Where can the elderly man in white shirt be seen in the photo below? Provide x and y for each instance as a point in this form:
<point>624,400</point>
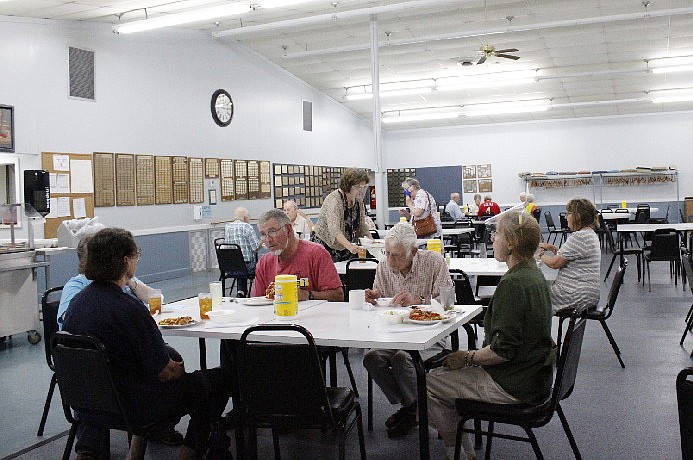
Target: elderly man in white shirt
<point>301,224</point>
<point>453,207</point>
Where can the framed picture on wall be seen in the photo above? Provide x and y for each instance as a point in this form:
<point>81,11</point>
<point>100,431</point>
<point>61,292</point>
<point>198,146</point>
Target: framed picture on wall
<point>470,186</point>
<point>483,171</point>
<point>469,172</point>
<point>485,186</point>
<point>6,128</point>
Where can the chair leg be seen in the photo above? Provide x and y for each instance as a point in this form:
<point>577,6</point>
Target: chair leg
<point>613,259</point>
<point>359,430</point>
<point>47,405</point>
<point>138,446</point>
<point>612,342</point>
<point>458,439</point>
<point>342,446</point>
<point>347,364</point>
<point>566,428</point>
<point>688,315</point>
<point>489,439</point>
<point>275,444</point>
<point>478,437</point>
<point>369,415</point>
<point>649,280</point>
<point>638,257</point>
<point>689,325</point>
<point>534,442</point>
<point>70,441</point>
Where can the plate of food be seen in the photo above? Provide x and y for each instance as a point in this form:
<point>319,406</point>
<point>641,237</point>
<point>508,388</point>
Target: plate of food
<point>177,322</point>
<point>419,316</point>
<point>256,301</point>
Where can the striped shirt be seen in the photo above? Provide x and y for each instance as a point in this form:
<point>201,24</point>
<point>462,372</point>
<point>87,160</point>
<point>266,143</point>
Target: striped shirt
<point>428,273</point>
<point>577,283</point>
<point>242,234</point>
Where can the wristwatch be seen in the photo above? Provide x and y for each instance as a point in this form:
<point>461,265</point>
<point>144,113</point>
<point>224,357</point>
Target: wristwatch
<point>310,295</point>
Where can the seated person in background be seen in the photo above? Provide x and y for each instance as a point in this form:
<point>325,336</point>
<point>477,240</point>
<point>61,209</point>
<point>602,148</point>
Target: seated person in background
<point>474,208</point>
<point>410,276</point>
<point>453,207</point>
<point>166,432</point>
<point>578,260</point>
<point>290,256</point>
<point>154,388</point>
<point>240,232</point>
<point>74,285</point>
<point>488,207</point>
<point>302,226</point>
<point>516,365</point>
<point>523,199</point>
<point>370,225</point>
<point>530,204</point>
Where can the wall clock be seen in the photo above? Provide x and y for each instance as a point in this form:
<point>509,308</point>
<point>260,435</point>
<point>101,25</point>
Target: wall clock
<point>222,107</point>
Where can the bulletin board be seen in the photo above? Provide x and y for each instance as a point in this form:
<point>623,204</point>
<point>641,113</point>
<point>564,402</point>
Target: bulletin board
<point>71,191</point>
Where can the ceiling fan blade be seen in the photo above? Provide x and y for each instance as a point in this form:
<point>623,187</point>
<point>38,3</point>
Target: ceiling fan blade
<point>509,50</point>
<point>508,56</point>
<point>481,60</point>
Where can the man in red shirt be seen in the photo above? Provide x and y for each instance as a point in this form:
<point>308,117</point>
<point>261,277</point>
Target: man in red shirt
<point>488,207</point>
<point>290,256</point>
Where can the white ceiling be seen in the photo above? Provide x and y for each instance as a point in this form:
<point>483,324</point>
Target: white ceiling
<point>589,56</point>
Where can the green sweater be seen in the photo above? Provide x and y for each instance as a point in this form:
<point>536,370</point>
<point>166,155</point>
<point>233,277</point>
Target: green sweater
<point>518,328</point>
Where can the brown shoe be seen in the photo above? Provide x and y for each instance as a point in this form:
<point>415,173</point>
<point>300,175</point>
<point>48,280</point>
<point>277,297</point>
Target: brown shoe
<point>403,426</point>
<point>394,419</point>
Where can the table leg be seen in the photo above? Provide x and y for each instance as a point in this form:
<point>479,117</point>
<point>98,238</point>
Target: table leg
<point>203,353</point>
<point>229,361</point>
<point>422,404</point>
<point>622,258</point>
<point>333,366</point>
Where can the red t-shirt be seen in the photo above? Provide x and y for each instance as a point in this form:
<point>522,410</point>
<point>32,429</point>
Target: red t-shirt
<point>311,261</point>
<point>488,208</point>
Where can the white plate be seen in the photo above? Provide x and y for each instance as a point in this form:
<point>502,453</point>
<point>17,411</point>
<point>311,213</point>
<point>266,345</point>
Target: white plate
<point>255,301</point>
<point>448,317</point>
<point>178,326</point>
<point>237,322</point>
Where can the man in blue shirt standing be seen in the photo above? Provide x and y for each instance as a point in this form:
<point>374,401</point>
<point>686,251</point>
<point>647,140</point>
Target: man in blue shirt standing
<point>240,232</point>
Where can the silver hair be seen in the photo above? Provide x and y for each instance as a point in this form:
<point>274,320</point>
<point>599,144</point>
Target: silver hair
<point>241,213</point>
<point>402,233</point>
<point>409,181</point>
<point>277,214</point>
<point>487,197</point>
<point>530,198</point>
<point>454,195</point>
<point>291,203</point>
<point>477,195</point>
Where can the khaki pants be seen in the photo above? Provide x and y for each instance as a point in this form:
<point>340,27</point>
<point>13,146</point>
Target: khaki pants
<point>444,385</point>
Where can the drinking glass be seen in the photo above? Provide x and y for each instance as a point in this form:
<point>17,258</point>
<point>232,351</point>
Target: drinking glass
<point>205,301</point>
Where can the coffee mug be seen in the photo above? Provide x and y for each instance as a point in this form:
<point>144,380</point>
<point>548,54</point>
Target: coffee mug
<point>357,297</point>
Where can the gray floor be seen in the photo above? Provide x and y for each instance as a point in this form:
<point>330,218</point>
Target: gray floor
<point>614,413</point>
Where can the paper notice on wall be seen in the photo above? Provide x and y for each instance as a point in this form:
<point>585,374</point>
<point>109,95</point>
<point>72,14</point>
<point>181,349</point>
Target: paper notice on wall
<point>82,178</point>
<point>79,208</point>
<point>53,180</point>
<point>54,208</point>
<point>62,183</point>
<point>61,162</point>
<point>63,206</point>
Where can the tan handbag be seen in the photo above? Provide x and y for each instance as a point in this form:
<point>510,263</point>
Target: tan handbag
<point>426,226</point>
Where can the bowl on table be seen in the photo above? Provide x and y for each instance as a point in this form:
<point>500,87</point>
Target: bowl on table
<point>222,316</point>
<point>383,301</point>
<point>393,316</point>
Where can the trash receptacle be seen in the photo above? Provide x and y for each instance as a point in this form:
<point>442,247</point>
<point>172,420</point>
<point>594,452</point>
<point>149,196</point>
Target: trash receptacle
<point>688,201</point>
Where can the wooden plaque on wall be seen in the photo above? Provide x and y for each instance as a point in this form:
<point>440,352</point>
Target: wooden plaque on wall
<point>253,179</point>
<point>163,180</point>
<point>180,180</point>
<point>228,186</point>
<point>265,180</point>
<point>197,180</point>
<point>211,168</point>
<point>144,179</point>
<point>125,179</point>
<point>240,168</point>
<point>104,179</point>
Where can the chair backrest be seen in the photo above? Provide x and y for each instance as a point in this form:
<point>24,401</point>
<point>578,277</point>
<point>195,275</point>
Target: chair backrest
<point>642,215</point>
<point>564,221</point>
<point>49,314</point>
<point>374,234</point>
<point>464,295</point>
<point>230,258</point>
<point>665,245</point>
<point>615,288</point>
<point>569,357</point>
<point>218,241</point>
<point>281,381</point>
<point>84,377</point>
<point>688,268</point>
<point>360,274</point>
<point>549,221</point>
<point>610,239</point>
<point>536,213</point>
<point>684,396</point>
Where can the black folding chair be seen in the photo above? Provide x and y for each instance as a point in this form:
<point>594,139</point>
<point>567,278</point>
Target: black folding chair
<point>665,247</point>
<point>688,269</point>
<point>49,312</point>
<point>529,416</point>
<point>232,265</point>
<point>282,385</point>
<point>84,378</point>
<point>602,313</point>
<point>684,397</point>
<point>556,232</point>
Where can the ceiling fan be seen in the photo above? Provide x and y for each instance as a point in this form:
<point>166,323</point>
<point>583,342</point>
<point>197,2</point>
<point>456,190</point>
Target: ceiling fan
<point>486,51</point>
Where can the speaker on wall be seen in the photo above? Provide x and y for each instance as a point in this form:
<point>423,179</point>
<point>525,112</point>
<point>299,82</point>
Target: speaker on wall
<point>37,192</point>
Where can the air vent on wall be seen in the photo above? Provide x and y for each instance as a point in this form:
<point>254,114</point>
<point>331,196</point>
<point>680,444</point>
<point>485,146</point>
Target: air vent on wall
<point>81,63</point>
<point>307,116</point>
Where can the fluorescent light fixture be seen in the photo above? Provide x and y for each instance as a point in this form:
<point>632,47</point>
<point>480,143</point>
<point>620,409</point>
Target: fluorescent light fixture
<point>670,61</point>
<point>679,98</point>
<point>420,117</point>
<point>395,85</point>
<point>187,17</point>
<point>267,4</point>
<point>401,92</point>
<point>461,86</point>
<point>538,105</point>
<point>673,68</point>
